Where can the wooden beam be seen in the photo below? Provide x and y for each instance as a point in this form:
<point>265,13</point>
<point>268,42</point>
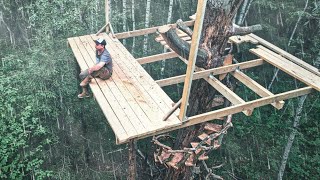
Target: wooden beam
<point>227,93</point>
<point>175,107</point>
<point>246,106</point>
<point>192,57</point>
<point>256,87</point>
<point>103,28</point>
<point>218,114</point>
<point>214,71</point>
<point>286,55</point>
<point>141,32</point>
<point>157,57</point>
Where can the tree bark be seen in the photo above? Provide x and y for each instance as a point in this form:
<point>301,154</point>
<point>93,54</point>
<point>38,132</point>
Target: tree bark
<point>163,62</point>
<point>133,25</point>
<point>146,25</point>
<point>291,137</point>
<point>124,18</point>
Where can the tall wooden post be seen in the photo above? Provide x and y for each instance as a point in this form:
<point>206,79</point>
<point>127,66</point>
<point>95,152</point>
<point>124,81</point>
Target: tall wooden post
<point>107,11</point>
<point>132,161</point>
<point>192,57</point>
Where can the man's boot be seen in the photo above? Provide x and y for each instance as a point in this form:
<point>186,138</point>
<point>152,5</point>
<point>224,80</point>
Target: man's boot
<point>85,81</point>
<point>84,93</point>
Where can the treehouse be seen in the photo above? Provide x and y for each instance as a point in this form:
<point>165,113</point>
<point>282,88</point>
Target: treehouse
<point>136,106</point>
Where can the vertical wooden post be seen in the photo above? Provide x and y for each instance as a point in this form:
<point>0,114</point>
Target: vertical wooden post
<point>192,57</point>
<point>132,161</point>
<point>107,10</point>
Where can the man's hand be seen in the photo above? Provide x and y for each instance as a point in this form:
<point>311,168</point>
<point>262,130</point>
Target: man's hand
<point>96,67</point>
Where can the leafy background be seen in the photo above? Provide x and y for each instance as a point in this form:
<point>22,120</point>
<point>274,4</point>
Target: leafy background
<point>46,132</point>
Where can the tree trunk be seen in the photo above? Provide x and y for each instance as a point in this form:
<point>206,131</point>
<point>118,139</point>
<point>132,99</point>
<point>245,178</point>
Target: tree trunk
<point>291,137</point>
<point>145,41</point>
<point>218,17</point>
<point>133,26</point>
<point>124,18</point>
<point>163,62</point>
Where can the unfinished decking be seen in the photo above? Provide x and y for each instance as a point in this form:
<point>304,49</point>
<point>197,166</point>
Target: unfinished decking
<point>132,102</point>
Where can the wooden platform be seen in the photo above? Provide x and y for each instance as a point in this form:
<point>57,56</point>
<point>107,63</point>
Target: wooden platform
<point>132,102</point>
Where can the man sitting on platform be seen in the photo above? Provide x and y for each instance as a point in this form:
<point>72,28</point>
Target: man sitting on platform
<point>102,68</point>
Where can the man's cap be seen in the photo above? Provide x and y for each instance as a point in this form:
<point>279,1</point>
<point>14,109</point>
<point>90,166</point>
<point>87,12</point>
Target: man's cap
<point>101,41</point>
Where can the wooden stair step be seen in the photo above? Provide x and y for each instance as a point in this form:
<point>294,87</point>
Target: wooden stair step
<point>216,144</point>
<point>177,157</point>
<point>195,144</point>
<point>189,161</point>
<point>203,136</point>
<point>212,128</point>
<point>203,157</point>
<point>164,155</point>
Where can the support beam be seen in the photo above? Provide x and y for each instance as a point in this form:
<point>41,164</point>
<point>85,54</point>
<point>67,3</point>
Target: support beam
<point>102,29</point>
<point>227,93</point>
<point>141,32</point>
<point>256,87</point>
<point>214,71</point>
<point>192,57</point>
<point>157,57</point>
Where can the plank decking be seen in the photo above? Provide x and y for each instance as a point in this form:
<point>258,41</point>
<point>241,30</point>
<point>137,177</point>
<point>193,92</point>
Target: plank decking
<point>132,102</point>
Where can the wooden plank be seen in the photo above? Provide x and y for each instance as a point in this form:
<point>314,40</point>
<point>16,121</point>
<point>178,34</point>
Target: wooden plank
<point>150,88</point>
<point>138,95</point>
<point>201,7</point>
<point>217,114</point>
<point>227,93</point>
<point>114,122</point>
<point>241,39</point>
<point>118,104</point>
<point>288,67</point>
<point>214,71</point>
<point>141,32</point>
<point>160,97</point>
<point>182,35</point>
<point>138,118</point>
<point>256,87</point>
<point>286,55</point>
<point>157,57</point>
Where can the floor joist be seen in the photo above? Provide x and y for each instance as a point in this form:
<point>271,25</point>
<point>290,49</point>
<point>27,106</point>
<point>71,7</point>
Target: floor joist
<point>256,87</point>
<point>157,57</point>
<point>227,93</point>
<point>214,71</point>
